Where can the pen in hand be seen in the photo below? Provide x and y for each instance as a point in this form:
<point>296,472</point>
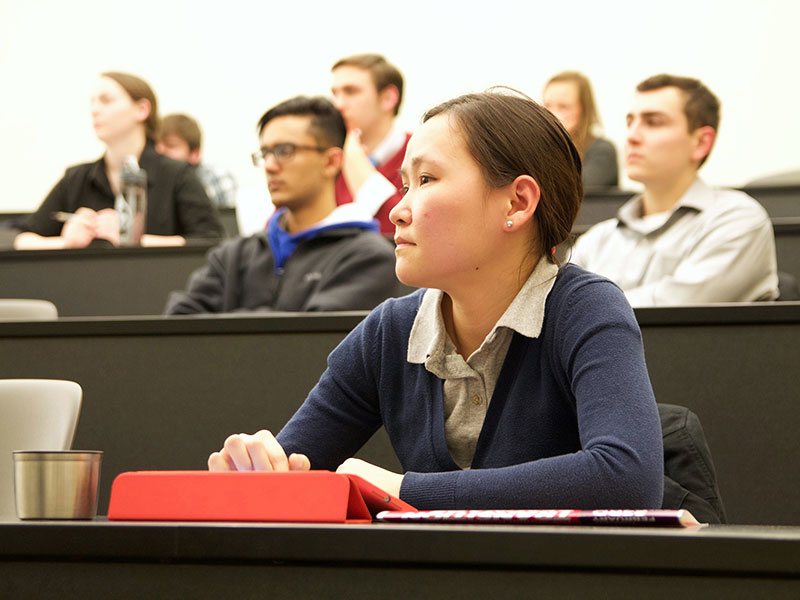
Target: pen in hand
<point>61,216</point>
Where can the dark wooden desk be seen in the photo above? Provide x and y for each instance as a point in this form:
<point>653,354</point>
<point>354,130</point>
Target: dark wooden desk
<point>227,216</point>
<point>778,200</point>
<point>213,560</point>
<point>787,244</point>
<point>161,393</point>
<point>101,281</point>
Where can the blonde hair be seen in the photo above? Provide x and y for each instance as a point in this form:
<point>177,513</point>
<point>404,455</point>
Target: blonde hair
<point>584,135</point>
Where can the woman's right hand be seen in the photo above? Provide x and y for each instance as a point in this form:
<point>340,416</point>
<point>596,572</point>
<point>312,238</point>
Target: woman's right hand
<point>257,452</point>
<point>80,229</point>
<point>107,226</point>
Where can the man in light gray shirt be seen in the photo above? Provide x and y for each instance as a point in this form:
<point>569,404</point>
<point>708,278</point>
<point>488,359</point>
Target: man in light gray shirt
<point>680,242</point>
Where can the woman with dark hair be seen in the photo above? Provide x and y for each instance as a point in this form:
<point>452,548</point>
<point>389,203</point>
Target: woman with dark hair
<point>125,118</point>
<point>569,97</point>
<point>511,381</point>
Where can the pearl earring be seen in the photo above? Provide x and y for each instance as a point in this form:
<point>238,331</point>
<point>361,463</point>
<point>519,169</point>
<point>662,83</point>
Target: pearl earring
<point>509,223</point>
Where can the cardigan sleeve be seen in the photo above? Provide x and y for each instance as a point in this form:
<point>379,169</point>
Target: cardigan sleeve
<point>596,354</point>
<point>597,347</point>
<point>342,411</point>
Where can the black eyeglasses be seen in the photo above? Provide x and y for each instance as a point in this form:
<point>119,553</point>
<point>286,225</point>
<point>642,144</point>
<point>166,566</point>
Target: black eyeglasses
<point>282,153</point>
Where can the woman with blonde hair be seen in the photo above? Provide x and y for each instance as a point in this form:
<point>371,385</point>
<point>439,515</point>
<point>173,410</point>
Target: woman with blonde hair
<point>568,95</point>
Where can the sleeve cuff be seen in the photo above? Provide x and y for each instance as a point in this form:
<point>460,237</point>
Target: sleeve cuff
<point>374,192</point>
<point>430,491</point>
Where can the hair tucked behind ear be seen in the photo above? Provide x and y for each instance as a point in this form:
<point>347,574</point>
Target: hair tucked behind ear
<point>137,89</point>
<point>509,135</point>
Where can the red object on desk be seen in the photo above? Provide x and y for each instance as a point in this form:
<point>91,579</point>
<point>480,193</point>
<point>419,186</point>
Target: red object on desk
<point>300,497</point>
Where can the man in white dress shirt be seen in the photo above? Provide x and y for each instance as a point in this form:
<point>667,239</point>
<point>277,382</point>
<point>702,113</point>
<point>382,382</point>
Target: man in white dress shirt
<point>680,242</point>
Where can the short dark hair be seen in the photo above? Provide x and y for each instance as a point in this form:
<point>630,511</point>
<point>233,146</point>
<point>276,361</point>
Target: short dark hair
<point>327,125</point>
<point>137,88</point>
<point>509,135</point>
<point>183,126</point>
<point>701,107</point>
<point>382,71</point>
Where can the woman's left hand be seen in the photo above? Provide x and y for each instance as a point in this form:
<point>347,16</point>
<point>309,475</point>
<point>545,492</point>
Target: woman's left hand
<point>386,480</point>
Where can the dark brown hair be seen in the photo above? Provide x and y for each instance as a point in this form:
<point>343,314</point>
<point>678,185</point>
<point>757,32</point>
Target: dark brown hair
<point>326,122</point>
<point>382,71</point>
<point>509,135</point>
<point>701,107</point>
<point>137,89</point>
<point>589,117</point>
<point>183,126</point>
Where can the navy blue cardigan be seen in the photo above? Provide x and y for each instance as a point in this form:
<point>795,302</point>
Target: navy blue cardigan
<point>572,423</point>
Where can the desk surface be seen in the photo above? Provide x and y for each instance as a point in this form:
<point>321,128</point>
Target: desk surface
<point>396,560</point>
<point>184,383</point>
<point>101,281</point>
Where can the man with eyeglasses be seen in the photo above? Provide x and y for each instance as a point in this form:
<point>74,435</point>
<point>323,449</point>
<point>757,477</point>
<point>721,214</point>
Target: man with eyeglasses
<point>312,256</point>
<point>368,90</point>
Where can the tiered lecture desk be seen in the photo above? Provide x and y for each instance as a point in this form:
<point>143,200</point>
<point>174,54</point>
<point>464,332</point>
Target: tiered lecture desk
<point>162,393</point>
<point>216,560</point>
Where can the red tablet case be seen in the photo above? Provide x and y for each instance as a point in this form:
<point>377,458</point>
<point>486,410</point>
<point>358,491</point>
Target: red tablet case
<point>299,496</point>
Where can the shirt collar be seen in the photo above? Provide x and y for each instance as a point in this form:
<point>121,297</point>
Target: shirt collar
<point>525,315</point>
<point>148,161</point>
<point>389,146</point>
<point>697,198</point>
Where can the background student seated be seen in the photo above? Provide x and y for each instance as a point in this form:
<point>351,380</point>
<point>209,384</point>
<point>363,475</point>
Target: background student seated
<point>180,138</point>
<point>569,97</point>
<point>368,90</point>
<point>311,257</point>
<point>680,241</point>
<point>125,118</point>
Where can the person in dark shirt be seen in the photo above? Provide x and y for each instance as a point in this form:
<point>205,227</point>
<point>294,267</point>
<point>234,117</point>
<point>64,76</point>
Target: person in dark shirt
<point>125,118</point>
<point>569,97</point>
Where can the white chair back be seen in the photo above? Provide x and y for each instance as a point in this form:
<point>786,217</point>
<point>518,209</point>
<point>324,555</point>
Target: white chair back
<point>35,414</point>
<point>24,309</point>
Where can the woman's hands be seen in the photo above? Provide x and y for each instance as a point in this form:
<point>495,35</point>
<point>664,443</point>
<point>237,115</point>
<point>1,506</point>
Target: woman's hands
<point>262,452</point>
<point>388,481</point>
<point>85,225</point>
<point>257,452</point>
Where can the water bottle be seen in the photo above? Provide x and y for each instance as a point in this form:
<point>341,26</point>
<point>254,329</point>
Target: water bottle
<point>131,203</point>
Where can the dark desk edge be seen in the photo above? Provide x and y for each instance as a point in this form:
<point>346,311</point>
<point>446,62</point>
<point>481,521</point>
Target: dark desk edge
<point>193,245</point>
<point>729,549</point>
<point>187,324</point>
<point>711,314</point>
<point>600,193</point>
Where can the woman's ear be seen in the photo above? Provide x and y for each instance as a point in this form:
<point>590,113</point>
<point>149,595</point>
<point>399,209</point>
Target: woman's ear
<point>523,199</point>
<point>143,107</point>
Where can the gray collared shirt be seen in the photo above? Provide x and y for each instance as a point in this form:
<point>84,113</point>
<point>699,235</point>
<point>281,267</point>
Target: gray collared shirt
<point>469,384</point>
<point>715,245</point>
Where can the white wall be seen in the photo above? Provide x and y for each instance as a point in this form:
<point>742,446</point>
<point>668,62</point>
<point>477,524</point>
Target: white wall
<point>227,62</point>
